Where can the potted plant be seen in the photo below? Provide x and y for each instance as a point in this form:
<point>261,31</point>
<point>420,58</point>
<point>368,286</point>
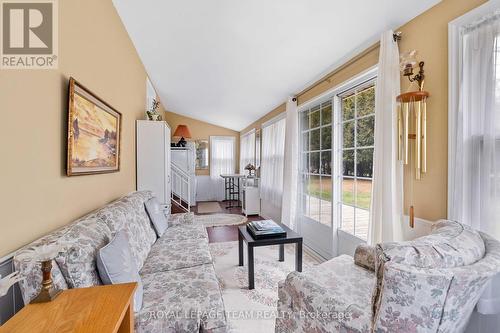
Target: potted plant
<point>152,113</point>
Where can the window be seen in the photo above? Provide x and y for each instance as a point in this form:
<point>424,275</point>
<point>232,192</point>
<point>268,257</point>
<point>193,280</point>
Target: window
<point>316,136</point>
<point>350,147</point>
<point>474,119</point>
<point>357,123</point>
<point>247,150</point>
<point>221,156</point>
<point>273,155</point>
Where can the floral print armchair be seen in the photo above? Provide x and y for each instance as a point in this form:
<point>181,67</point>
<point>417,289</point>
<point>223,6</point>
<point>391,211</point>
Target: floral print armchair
<point>430,284</point>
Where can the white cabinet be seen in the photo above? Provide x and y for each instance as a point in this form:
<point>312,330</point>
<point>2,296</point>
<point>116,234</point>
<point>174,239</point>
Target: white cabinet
<point>153,159</point>
<point>250,197</point>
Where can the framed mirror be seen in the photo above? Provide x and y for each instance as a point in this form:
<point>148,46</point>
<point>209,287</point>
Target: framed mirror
<point>201,154</point>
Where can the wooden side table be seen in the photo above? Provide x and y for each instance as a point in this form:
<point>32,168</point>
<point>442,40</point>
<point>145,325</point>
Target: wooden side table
<point>100,309</point>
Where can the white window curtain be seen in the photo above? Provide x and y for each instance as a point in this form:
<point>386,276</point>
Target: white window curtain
<point>474,187</point>
<point>273,153</point>
<point>291,166</point>
<point>222,161</point>
<point>247,150</point>
<point>386,218</point>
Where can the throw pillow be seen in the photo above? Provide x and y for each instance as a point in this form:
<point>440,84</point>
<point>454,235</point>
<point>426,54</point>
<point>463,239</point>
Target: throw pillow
<point>116,265</point>
<point>157,216</point>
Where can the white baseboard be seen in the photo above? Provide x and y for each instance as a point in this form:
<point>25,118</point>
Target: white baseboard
<point>315,255</point>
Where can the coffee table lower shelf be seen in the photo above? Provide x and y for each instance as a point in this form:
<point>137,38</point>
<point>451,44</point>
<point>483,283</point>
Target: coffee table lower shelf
<point>290,238</point>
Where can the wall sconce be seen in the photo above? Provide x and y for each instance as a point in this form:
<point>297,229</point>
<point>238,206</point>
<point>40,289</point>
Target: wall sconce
<point>412,121</point>
<point>408,61</point>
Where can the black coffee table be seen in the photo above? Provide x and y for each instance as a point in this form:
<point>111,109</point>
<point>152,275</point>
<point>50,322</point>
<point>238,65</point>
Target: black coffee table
<point>291,237</point>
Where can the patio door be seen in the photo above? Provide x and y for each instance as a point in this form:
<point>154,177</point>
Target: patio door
<point>316,177</point>
<point>336,148</point>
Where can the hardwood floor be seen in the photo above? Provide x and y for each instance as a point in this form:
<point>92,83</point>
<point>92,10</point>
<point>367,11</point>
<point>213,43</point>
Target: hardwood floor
<point>225,233</point>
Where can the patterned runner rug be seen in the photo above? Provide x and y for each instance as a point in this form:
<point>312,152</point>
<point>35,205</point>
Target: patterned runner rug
<point>209,207</point>
<point>214,220</point>
<point>253,310</point>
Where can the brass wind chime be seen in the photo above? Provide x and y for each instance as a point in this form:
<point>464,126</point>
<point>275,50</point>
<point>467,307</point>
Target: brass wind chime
<point>412,124</point>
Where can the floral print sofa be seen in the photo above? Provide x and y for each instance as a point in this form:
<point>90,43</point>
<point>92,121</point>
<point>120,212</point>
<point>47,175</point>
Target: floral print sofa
<point>181,290</point>
<point>430,284</point>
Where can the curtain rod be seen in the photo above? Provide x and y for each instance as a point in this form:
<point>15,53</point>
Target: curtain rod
<point>396,36</point>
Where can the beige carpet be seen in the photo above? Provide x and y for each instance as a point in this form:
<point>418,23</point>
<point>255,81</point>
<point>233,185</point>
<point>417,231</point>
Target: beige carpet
<point>214,220</point>
<point>253,310</point>
<point>208,207</point>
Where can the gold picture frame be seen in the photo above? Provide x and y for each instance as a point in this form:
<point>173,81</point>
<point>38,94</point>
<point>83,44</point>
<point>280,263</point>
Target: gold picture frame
<point>94,133</point>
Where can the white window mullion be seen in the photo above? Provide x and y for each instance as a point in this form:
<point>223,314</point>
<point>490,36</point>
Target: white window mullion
<point>337,163</point>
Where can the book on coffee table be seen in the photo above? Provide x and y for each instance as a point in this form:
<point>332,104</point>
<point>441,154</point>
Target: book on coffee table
<point>265,229</point>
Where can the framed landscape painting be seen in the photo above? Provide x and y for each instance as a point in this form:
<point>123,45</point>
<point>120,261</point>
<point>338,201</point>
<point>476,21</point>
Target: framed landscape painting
<point>94,133</point>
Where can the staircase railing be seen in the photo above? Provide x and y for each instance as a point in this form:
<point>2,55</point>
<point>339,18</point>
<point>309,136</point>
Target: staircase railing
<point>181,188</point>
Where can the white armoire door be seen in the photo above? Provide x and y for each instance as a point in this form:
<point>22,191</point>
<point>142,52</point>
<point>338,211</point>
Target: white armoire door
<point>153,159</point>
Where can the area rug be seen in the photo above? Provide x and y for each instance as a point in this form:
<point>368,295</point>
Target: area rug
<point>253,310</point>
<point>208,207</point>
<point>214,220</point>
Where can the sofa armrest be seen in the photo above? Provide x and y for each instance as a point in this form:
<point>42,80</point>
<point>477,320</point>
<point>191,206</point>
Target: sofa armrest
<point>364,256</point>
<point>180,219</point>
<point>303,300</point>
<point>333,295</point>
<point>412,295</point>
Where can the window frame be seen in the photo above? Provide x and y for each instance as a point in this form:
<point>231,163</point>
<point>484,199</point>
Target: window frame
<point>212,140</point>
<point>362,84</point>
<point>454,76</point>
<point>305,172</point>
<point>333,95</point>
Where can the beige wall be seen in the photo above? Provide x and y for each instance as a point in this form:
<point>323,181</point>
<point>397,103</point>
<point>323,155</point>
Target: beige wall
<point>202,130</point>
<point>428,33</point>
<point>36,196</point>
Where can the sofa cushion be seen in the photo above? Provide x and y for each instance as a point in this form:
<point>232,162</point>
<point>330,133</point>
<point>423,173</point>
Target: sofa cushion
<point>81,244</point>
<point>181,290</point>
<point>129,214</point>
<point>116,265</point>
<point>412,299</point>
<point>138,201</point>
<point>184,232</point>
<point>181,219</point>
<point>157,216</point>
<point>337,287</point>
<point>167,256</point>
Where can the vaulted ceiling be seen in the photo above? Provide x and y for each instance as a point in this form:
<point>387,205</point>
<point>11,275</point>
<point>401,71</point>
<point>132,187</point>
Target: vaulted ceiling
<point>228,62</point>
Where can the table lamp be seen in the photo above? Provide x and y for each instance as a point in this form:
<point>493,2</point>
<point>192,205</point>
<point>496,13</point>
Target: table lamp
<point>43,255</point>
<point>182,131</point>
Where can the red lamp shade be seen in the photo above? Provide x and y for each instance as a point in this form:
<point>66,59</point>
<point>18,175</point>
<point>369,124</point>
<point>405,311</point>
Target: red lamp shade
<point>182,131</point>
